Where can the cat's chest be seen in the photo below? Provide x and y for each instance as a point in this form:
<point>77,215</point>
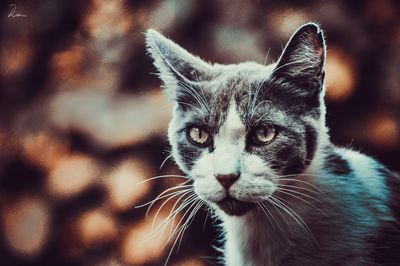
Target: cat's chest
<point>253,245</point>
<point>241,253</point>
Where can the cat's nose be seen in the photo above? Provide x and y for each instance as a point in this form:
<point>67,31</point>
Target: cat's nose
<point>227,180</point>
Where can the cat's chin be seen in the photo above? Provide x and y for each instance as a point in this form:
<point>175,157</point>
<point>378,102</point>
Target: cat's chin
<point>235,207</point>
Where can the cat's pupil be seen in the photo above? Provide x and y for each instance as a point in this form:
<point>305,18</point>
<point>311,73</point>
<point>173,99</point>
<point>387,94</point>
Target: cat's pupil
<point>264,135</point>
<point>198,136</point>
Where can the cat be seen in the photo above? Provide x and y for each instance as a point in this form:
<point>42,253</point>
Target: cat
<point>253,139</point>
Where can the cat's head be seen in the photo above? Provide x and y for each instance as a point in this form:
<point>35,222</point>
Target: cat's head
<point>237,128</point>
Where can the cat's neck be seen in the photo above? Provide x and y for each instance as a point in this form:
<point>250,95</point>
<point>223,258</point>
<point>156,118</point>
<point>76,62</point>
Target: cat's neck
<point>250,240</point>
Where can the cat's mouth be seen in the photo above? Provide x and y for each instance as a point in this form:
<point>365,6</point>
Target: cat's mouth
<point>234,207</point>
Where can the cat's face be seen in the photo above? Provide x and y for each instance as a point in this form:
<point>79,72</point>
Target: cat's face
<point>237,128</point>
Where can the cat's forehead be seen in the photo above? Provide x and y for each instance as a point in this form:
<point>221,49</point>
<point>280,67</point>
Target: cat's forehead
<point>232,82</point>
<point>236,76</point>
<point>248,87</point>
<point>233,87</point>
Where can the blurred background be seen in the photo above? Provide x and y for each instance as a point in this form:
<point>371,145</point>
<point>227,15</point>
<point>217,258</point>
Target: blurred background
<point>83,120</point>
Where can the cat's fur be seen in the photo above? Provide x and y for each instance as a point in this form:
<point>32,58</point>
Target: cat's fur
<point>346,205</point>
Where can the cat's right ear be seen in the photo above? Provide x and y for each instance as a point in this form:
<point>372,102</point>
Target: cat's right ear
<point>176,66</point>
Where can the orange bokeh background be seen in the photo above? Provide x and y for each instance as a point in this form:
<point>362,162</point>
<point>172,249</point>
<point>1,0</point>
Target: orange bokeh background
<point>83,119</point>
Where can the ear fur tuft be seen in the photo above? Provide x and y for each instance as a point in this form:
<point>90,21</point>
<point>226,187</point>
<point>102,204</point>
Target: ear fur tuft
<point>304,54</point>
<point>174,64</point>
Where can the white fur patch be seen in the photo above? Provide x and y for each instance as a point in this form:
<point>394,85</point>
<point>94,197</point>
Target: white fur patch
<point>230,157</point>
<point>229,144</point>
<point>364,168</point>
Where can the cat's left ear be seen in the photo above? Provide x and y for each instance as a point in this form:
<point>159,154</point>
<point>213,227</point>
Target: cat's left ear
<point>303,58</point>
<point>176,66</point>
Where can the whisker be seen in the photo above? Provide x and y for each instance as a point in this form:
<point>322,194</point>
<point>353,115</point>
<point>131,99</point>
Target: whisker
<point>278,210</point>
<point>200,111</point>
<point>181,185</point>
<point>172,210</point>
<point>205,220</point>
<point>182,193</point>
<point>162,193</point>
<point>201,101</point>
<point>297,197</point>
<point>193,203</point>
<point>192,196</point>
<point>266,57</point>
<point>255,109</point>
<point>299,193</point>
<point>301,175</point>
<point>252,109</point>
<point>172,216</point>
<point>292,213</point>
<point>162,197</point>
<point>298,187</point>
<point>161,176</point>
<point>165,160</point>
<point>181,229</point>
<point>285,177</point>
<point>263,206</point>
<point>190,220</point>
<point>163,204</point>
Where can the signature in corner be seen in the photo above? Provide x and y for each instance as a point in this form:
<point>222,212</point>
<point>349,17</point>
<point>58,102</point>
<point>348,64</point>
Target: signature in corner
<point>13,12</point>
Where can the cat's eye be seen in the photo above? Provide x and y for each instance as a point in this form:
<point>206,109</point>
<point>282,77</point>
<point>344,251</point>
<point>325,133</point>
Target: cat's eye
<point>199,136</point>
<point>263,134</point>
